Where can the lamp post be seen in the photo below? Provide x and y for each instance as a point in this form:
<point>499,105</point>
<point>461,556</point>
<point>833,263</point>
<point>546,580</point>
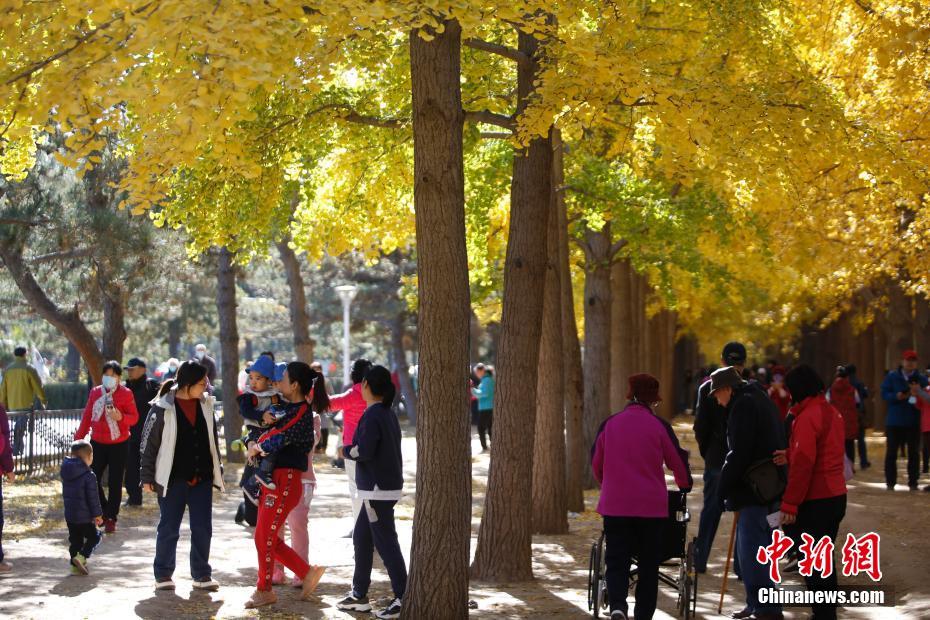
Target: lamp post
<point>346,294</point>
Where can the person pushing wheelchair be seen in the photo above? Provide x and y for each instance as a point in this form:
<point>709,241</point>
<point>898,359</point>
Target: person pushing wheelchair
<point>627,458</point>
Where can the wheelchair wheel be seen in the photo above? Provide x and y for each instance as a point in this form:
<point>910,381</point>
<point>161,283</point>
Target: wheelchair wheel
<point>687,584</point>
<point>693,575</point>
<point>594,579</point>
<point>602,600</point>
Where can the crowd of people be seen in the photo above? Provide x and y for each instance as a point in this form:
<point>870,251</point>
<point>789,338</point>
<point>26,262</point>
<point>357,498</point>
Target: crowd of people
<point>162,438</point>
<point>778,445</point>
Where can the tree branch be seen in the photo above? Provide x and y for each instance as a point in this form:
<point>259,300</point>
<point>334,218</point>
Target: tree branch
<point>13,221</point>
<point>47,258</point>
<point>496,135</point>
<point>616,247</point>
<point>501,50</point>
<point>490,118</point>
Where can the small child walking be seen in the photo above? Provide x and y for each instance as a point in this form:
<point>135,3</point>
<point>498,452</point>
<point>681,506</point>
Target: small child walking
<point>83,512</point>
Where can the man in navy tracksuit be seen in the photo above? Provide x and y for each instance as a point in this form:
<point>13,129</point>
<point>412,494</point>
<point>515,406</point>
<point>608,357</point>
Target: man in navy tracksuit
<point>379,476</point>
<point>902,426</point>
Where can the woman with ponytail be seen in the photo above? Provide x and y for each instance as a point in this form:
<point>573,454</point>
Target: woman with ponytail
<point>379,476</point>
<point>290,440</point>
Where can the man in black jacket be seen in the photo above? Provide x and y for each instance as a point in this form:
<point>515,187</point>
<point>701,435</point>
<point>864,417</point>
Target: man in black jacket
<point>754,433</point>
<point>144,390</point>
<point>710,430</point>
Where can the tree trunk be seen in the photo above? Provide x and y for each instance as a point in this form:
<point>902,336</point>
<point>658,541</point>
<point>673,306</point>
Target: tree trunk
<point>438,585</point>
<point>575,454</point>
<point>114,324</point>
<point>175,327</point>
<point>504,552</point>
<point>549,502</point>
<point>297,303</point>
<point>72,364</point>
<point>596,337</point>
<point>229,349</point>
<point>621,333</point>
<point>399,354</point>
<point>68,322</point>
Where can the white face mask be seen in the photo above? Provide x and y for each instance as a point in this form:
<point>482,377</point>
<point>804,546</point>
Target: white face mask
<point>201,354</point>
<point>109,382</point>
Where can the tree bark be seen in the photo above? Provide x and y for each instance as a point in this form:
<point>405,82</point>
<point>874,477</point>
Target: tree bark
<point>549,501</point>
<point>621,333</point>
<point>297,303</point>
<point>229,349</point>
<point>504,552</point>
<point>575,454</point>
<point>438,585</point>
<point>68,322</point>
<point>399,353</point>
<point>72,364</point>
<point>114,323</point>
<point>596,337</point>
<point>175,327</point>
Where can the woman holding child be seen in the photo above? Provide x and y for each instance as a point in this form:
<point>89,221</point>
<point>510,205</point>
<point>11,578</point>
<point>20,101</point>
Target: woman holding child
<point>289,443</point>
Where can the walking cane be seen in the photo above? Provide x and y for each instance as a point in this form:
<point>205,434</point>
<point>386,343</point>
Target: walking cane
<point>726,568</point>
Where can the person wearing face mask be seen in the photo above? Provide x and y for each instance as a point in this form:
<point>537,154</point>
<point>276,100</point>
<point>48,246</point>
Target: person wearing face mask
<point>201,357</point>
<point>109,415</point>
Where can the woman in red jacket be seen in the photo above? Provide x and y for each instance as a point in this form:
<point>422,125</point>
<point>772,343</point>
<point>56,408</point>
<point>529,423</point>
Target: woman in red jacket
<point>109,414</point>
<point>815,498</point>
<point>842,395</point>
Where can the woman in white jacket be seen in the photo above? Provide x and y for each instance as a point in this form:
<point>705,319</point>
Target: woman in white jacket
<point>181,463</point>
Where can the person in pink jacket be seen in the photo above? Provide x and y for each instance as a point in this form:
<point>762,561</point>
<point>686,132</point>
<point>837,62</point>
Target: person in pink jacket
<point>627,459</point>
<point>352,405</point>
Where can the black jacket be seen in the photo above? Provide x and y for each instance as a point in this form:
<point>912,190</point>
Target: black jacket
<point>376,448</point>
<point>144,391</point>
<point>754,432</point>
<point>79,491</point>
<point>710,428</point>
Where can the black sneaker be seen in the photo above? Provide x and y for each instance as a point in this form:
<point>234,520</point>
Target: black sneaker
<point>354,603</point>
<point>617,615</point>
<point>391,611</point>
<point>251,490</point>
<point>264,479</point>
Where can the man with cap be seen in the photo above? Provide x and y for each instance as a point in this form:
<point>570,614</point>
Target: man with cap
<point>710,430</point>
<point>144,391</point>
<point>754,433</point>
<point>902,426</point>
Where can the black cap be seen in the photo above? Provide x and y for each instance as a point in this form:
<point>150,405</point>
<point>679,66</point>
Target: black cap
<point>734,354</point>
<point>136,362</point>
<point>724,378</point>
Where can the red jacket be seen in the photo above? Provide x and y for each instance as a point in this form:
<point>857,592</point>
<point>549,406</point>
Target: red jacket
<point>815,454</point>
<point>843,397</point>
<point>100,432</point>
<point>352,406</point>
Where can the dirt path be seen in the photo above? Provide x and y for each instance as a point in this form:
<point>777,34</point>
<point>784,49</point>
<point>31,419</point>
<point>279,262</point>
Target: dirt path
<point>120,584</point>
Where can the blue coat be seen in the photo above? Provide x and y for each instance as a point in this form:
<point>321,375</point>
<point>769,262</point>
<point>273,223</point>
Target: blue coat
<point>485,393</point>
<point>79,490</point>
<point>900,412</point>
<point>379,473</point>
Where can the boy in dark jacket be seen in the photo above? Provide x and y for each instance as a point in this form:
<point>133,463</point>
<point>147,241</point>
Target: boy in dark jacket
<point>83,512</point>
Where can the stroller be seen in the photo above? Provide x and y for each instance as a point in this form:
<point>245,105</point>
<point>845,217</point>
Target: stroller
<point>677,562</point>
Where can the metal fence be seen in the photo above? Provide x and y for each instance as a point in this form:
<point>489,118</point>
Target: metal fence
<point>41,439</point>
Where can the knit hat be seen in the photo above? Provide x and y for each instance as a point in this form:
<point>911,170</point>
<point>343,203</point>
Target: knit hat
<point>727,377</point>
<point>734,354</point>
<point>263,366</point>
<point>909,354</point>
<point>279,369</point>
<point>644,388</point>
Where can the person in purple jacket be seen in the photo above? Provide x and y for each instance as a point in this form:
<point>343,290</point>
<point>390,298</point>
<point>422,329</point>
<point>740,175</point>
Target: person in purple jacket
<point>627,459</point>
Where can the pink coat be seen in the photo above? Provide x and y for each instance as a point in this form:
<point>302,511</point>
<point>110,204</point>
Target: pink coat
<point>352,406</point>
<point>629,454</point>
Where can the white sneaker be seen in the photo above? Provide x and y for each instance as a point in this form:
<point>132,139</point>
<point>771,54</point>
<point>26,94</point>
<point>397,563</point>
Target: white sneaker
<point>208,585</point>
<point>354,603</point>
<point>391,611</point>
<point>165,584</point>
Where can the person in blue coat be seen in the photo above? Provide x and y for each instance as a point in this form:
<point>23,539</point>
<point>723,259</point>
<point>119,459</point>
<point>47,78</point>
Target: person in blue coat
<point>902,426</point>
<point>83,512</point>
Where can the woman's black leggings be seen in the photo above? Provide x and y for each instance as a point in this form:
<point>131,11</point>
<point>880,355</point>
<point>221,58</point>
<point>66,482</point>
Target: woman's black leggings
<point>114,457</point>
<point>819,518</point>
